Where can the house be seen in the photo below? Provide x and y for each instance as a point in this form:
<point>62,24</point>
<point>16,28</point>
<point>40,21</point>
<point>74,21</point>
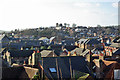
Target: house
<point>69,47</point>
<point>89,44</point>
<point>110,48</point>
<point>53,40</point>
<point>116,54</point>
<point>112,71</point>
<point>48,53</point>
<point>116,40</point>
<point>106,69</point>
<point>68,41</point>
<point>44,39</point>
<point>93,43</point>
<point>81,43</point>
<point>19,73</point>
<point>58,26</point>
<point>20,57</point>
<point>71,67</point>
<point>4,41</point>
<point>79,52</point>
<point>15,40</point>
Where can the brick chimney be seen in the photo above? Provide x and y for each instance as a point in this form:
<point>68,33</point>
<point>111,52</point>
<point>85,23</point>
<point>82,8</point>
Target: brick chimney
<point>21,48</point>
<point>24,62</point>
<point>101,56</point>
<point>99,68</point>
<point>89,59</point>
<point>69,54</point>
<point>89,56</point>
<point>110,52</point>
<point>75,54</point>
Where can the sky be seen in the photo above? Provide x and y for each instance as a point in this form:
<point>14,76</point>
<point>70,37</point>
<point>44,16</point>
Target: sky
<point>22,14</point>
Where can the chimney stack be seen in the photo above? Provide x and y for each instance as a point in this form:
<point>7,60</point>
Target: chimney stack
<point>69,53</point>
<point>110,52</point>
<point>99,68</point>
<point>101,56</point>
<point>89,59</point>
<point>21,48</point>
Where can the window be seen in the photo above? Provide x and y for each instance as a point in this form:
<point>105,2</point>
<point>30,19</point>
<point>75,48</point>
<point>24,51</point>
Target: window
<point>117,74</point>
<point>52,69</point>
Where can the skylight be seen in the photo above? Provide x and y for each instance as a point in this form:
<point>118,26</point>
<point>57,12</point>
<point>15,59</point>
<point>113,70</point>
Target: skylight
<point>52,69</point>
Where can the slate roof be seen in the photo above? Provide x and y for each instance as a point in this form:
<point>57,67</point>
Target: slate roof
<point>52,38</point>
<point>18,73</point>
<point>115,45</point>
<point>81,41</point>
<point>78,51</point>
<point>107,44</point>
<point>45,53</point>
<point>20,53</point>
<point>109,70</point>
<point>117,51</point>
<point>93,41</point>
<point>43,38</point>
<point>85,52</point>
<point>57,52</point>
<point>78,63</point>
<point>70,47</point>
<point>56,47</point>
<point>2,36</point>
<point>116,40</point>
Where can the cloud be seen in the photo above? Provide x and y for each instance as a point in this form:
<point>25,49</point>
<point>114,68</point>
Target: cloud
<point>115,5</point>
<point>86,4</point>
<point>82,4</point>
<point>97,4</point>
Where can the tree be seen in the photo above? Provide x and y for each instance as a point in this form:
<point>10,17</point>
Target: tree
<point>31,48</point>
<point>49,47</point>
<point>42,47</point>
<point>65,24</point>
<point>98,25</point>
<point>68,25</point>
<point>73,25</point>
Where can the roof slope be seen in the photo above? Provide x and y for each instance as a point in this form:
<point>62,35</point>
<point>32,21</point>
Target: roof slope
<point>18,72</point>
<point>117,51</point>
<point>20,53</point>
<point>78,63</point>
<point>45,53</point>
<point>92,41</point>
<point>2,36</point>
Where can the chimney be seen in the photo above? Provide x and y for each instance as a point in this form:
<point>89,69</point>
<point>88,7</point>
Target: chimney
<point>21,48</point>
<point>38,51</point>
<point>57,24</point>
<point>75,54</point>
<point>53,53</point>
<point>103,45</point>
<point>89,59</point>
<point>24,62</point>
<point>101,56</point>
<point>89,56</point>
<point>69,53</point>
<point>99,68</point>
<point>110,52</point>
<point>104,51</point>
<point>34,52</point>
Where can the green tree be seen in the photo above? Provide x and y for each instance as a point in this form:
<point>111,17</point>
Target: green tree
<point>42,47</point>
<point>49,47</point>
<point>73,25</point>
<point>31,48</point>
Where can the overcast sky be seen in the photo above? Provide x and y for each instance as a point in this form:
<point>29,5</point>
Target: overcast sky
<point>36,13</point>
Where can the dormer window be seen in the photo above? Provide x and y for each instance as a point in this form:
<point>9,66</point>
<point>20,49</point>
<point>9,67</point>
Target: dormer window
<point>53,70</point>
